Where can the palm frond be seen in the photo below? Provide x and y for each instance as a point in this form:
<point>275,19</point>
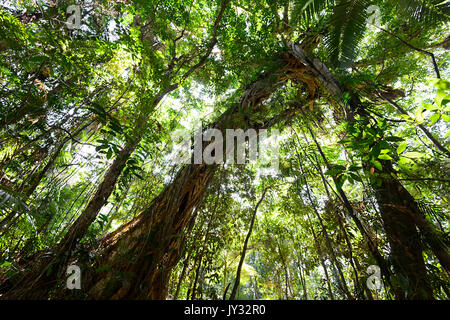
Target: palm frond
<point>306,11</point>
<point>353,31</point>
<point>346,29</point>
<point>424,11</point>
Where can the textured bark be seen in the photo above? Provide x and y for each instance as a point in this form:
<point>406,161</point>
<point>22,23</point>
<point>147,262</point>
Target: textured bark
<point>406,249</point>
<point>44,272</point>
<point>143,253</point>
<point>400,230</point>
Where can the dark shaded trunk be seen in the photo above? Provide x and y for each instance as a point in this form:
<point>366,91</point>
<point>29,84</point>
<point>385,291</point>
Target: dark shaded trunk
<point>144,255</point>
<point>181,277</point>
<point>406,249</point>
<point>401,231</point>
<point>197,274</point>
<point>375,253</point>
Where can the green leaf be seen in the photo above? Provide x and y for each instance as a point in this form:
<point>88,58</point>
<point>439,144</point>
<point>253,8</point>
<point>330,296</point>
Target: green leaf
<point>394,139</point>
<point>442,84</point>
<point>434,118</point>
<point>340,182</point>
<point>377,164</point>
<point>440,96</point>
<point>430,107</point>
<point>376,150</point>
<point>419,115</point>
<point>413,155</point>
<point>384,157</point>
<point>446,118</point>
<point>402,147</point>
<point>333,172</point>
<point>355,177</point>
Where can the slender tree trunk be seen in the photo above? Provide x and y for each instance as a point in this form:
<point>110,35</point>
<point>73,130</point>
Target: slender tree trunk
<point>342,282</point>
<point>288,290</point>
<point>321,257</point>
<point>244,249</point>
<point>400,230</point>
<point>36,180</point>
<point>197,274</point>
<point>182,275</point>
<point>368,239</point>
<point>338,217</point>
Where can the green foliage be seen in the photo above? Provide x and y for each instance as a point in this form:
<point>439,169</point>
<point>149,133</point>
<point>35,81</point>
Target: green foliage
<point>74,104</point>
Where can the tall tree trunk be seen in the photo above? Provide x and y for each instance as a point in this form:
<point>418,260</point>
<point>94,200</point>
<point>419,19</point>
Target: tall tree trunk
<point>197,274</point>
<point>368,239</point>
<point>321,257</point>
<point>400,230</point>
<point>244,248</point>
<point>336,213</point>
<point>153,238</point>
<point>181,277</point>
<point>341,280</point>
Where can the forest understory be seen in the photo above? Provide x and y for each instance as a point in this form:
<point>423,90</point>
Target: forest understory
<point>224,150</point>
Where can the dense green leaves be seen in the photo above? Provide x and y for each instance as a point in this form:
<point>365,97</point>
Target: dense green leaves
<point>78,104</point>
